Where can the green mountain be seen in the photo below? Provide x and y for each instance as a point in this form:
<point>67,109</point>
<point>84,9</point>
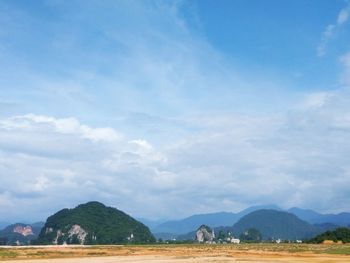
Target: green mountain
<point>340,234</point>
<point>93,223</point>
<point>274,224</point>
<point>20,234</point>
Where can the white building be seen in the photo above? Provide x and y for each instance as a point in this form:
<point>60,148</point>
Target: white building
<point>235,241</point>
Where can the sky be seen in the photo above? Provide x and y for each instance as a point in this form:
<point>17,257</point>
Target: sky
<point>165,109</point>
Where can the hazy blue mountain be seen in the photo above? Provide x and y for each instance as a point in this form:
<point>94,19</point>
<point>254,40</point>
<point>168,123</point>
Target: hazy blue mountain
<point>191,223</point>
<point>274,224</point>
<point>38,224</point>
<point>258,207</point>
<point>184,226</point>
<point>325,227</point>
<point>4,224</point>
<point>341,219</point>
<point>312,229</point>
<point>150,223</point>
<point>305,214</point>
<point>212,220</point>
<point>19,233</point>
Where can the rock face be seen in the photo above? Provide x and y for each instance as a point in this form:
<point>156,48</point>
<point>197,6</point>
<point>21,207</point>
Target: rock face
<point>204,234</point>
<point>23,230</point>
<point>93,223</point>
<point>79,232</point>
<point>76,235</point>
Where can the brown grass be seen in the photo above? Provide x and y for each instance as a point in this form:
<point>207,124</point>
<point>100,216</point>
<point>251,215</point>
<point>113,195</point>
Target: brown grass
<point>181,253</point>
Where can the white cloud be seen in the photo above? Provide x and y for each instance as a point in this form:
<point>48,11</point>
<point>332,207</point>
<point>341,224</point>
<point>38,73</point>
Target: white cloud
<point>343,16</point>
<point>231,159</point>
<point>331,29</point>
<point>316,100</point>
<point>345,60</point>
<point>63,126</point>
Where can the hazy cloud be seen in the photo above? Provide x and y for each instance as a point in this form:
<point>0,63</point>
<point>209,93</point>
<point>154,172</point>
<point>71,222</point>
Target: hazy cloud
<point>231,161</point>
<point>331,29</point>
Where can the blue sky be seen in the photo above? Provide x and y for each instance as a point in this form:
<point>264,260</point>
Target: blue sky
<point>168,108</point>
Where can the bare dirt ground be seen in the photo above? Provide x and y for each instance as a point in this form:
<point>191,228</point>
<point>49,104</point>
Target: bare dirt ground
<point>179,253</point>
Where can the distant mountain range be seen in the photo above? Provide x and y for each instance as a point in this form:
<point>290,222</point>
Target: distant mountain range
<point>271,224</point>
<point>213,220</point>
<point>341,219</point>
<point>4,224</point>
<point>20,234</point>
<point>172,229</point>
<point>83,225</point>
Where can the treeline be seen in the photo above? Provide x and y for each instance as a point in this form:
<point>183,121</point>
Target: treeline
<point>340,234</point>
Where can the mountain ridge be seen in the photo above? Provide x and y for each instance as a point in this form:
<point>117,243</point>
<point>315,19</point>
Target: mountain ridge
<point>182,227</point>
<point>217,219</point>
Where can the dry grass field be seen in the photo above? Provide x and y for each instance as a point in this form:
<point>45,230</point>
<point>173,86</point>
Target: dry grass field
<point>178,253</point>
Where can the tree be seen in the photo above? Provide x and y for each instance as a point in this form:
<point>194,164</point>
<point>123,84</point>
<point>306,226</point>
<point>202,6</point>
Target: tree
<point>252,235</point>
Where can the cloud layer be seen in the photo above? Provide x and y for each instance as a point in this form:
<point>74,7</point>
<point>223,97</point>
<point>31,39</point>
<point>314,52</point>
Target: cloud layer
<point>231,161</point>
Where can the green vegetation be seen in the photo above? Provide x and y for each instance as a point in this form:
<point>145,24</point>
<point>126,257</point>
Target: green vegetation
<point>251,235</point>
<point>7,254</point>
<point>100,224</point>
<point>340,234</point>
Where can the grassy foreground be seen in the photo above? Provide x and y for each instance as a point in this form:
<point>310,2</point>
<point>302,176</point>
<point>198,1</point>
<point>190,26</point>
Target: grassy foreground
<point>193,250</point>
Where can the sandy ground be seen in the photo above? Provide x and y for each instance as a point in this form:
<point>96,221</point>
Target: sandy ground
<point>176,254</point>
<point>157,259</point>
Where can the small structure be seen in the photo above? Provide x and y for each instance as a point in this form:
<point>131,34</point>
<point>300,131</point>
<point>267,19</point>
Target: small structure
<point>235,240</point>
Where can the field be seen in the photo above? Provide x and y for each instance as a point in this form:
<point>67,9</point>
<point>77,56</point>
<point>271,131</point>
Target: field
<point>178,253</point>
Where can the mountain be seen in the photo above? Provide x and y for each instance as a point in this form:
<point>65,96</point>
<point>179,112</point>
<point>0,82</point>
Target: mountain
<point>273,224</point>
<point>93,223</point>
<point>150,223</point>
<point>19,233</point>
<point>258,207</point>
<point>3,225</point>
<point>191,223</point>
<point>38,224</point>
<point>183,226</point>
<point>341,219</point>
<point>180,228</point>
<point>306,214</point>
